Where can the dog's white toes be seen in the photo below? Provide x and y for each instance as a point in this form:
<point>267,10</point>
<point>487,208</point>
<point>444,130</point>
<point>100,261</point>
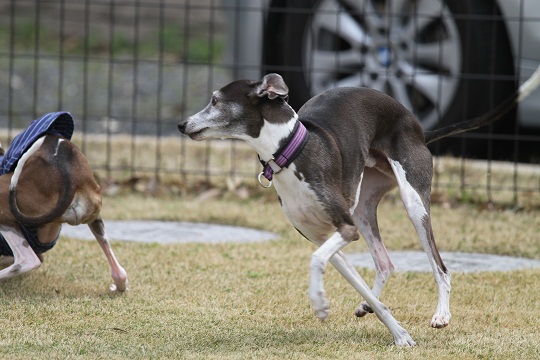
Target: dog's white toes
<point>319,303</point>
<point>439,321</point>
<point>363,309</point>
<point>322,314</point>
<point>120,280</point>
<point>320,307</point>
<point>118,287</point>
<point>404,340</point>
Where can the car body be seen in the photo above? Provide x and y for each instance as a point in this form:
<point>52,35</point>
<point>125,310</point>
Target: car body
<point>261,32</point>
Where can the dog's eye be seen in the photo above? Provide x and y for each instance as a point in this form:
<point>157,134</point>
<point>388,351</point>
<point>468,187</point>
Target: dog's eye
<point>214,101</point>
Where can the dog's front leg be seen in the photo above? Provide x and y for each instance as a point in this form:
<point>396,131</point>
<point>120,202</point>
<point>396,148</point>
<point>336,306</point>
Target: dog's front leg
<point>25,259</point>
<point>118,273</point>
<point>319,260</point>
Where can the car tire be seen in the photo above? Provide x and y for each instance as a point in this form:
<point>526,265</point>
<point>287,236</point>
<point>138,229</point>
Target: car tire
<point>484,75</point>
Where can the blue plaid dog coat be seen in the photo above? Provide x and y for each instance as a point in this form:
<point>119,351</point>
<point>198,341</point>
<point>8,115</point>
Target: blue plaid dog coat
<point>58,123</point>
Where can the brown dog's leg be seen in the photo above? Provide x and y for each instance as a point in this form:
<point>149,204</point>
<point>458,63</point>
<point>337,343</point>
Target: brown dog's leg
<point>118,273</point>
<point>25,259</point>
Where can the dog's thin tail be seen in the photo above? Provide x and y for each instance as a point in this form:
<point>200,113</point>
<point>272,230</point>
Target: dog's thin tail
<point>64,199</point>
<point>524,90</point>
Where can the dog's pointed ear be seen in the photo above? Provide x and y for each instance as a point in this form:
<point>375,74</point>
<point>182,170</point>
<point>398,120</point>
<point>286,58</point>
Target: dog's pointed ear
<point>273,86</point>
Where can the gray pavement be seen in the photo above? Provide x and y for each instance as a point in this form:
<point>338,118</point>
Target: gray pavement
<point>416,261</point>
<point>167,232</point>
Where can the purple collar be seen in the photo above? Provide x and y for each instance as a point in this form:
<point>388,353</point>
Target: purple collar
<point>286,153</point>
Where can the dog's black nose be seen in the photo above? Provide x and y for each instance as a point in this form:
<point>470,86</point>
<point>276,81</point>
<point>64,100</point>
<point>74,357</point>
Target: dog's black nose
<point>182,126</point>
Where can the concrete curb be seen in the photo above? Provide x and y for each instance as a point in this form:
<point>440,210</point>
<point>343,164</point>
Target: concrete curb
<point>168,232</point>
<point>416,261</point>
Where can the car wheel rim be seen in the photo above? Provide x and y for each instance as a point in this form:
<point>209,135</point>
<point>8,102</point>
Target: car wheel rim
<point>408,49</point>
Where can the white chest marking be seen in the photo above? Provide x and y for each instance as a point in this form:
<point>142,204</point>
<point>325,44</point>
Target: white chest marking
<point>301,205</point>
<point>268,141</point>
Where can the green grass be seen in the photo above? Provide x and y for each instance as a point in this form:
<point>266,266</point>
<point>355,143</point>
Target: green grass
<point>244,301</point>
<point>169,41</point>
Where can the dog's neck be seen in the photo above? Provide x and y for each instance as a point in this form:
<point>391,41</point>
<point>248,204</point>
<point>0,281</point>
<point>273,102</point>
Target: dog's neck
<point>271,137</point>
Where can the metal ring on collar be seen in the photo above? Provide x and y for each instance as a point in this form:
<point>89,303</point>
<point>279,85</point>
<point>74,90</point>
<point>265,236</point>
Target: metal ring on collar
<point>261,175</point>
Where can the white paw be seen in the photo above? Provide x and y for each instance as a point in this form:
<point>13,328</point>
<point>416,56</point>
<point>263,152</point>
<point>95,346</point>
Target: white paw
<point>440,320</point>
<point>118,287</point>
<point>320,306</point>
<point>404,340</point>
<point>363,309</point>
<point>120,281</point>
<point>321,314</point>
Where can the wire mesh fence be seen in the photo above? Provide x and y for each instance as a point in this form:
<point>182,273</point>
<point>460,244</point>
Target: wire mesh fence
<point>128,71</point>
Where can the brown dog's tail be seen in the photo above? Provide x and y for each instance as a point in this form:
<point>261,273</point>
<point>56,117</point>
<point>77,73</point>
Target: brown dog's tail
<point>494,115</point>
<point>56,158</point>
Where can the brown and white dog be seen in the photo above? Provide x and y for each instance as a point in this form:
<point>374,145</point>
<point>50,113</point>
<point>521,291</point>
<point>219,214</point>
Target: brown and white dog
<point>331,163</point>
<point>52,184</point>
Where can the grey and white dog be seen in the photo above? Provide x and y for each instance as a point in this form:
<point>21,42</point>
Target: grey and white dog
<point>331,163</point>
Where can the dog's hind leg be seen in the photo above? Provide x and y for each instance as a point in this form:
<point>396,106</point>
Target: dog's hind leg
<point>25,259</point>
<point>401,336</point>
<point>373,187</point>
<point>415,194</point>
<point>118,273</point>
